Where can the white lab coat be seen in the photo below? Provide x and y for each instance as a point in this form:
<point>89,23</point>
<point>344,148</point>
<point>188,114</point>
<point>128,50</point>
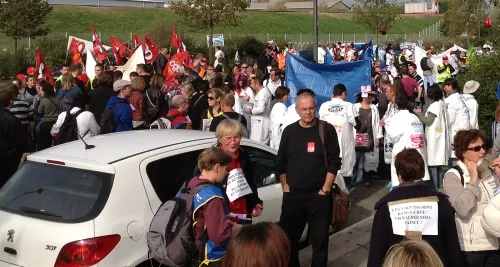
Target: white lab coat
<point>261,117</point>
<point>341,115</point>
<point>291,116</point>
<point>242,106</point>
<point>376,131</point>
<point>436,135</point>
<point>458,117</point>
<point>321,55</point>
<point>405,130</point>
<point>278,116</point>
<point>473,110</point>
<point>391,110</point>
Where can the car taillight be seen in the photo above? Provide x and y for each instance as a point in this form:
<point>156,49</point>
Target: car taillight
<point>86,252</point>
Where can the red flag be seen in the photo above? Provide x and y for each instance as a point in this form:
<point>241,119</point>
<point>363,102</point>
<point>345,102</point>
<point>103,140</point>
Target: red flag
<point>76,57</point>
<point>42,70</point>
<point>137,41</point>
<point>173,67</point>
<point>151,51</point>
<point>119,50</point>
<point>174,40</point>
<point>99,51</point>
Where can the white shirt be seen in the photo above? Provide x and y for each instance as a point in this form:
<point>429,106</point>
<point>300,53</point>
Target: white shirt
<point>458,116</point>
<point>321,55</point>
<point>87,125</point>
<point>278,115</point>
<point>272,86</point>
<point>260,117</point>
<point>473,110</point>
<point>218,54</point>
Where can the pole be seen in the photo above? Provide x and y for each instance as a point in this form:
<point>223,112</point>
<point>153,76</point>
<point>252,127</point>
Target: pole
<point>315,29</point>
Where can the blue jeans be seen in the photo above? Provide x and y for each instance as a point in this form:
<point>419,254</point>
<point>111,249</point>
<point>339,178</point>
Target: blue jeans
<point>367,176</point>
<point>428,81</point>
<point>437,176</point>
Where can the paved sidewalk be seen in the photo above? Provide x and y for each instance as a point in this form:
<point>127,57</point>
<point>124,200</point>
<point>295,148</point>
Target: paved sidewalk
<point>349,247</point>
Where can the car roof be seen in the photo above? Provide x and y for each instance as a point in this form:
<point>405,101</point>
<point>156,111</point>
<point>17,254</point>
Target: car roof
<point>110,148</point>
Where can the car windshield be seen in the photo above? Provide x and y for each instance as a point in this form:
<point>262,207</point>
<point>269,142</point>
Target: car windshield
<point>56,193</point>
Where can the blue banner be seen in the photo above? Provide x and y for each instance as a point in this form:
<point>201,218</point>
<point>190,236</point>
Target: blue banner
<point>321,77</point>
<point>367,52</point>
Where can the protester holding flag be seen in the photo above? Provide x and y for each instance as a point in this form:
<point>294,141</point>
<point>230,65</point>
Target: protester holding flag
<point>162,59</point>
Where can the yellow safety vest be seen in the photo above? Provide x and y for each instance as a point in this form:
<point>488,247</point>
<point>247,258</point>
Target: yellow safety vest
<point>443,75</point>
<point>209,115</point>
<point>400,58</point>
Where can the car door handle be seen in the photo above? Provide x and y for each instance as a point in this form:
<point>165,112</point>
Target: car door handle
<point>10,251</point>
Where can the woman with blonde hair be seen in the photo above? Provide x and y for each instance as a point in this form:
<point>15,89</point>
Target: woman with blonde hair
<point>412,253</point>
<point>263,244</point>
<point>214,108</point>
<point>69,90</point>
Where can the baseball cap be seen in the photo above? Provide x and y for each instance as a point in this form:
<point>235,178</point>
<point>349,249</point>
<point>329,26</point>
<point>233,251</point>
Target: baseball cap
<point>445,57</point>
<point>383,66</point>
<point>21,77</point>
<point>119,84</point>
<point>30,71</point>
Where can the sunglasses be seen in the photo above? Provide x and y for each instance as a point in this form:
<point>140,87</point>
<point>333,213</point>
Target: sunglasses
<point>210,98</point>
<point>478,148</point>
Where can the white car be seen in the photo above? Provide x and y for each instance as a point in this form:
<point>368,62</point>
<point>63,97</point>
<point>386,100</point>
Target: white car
<point>71,206</point>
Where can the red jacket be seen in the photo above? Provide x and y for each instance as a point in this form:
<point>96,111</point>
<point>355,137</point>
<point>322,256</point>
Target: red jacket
<point>176,117</point>
<point>136,101</point>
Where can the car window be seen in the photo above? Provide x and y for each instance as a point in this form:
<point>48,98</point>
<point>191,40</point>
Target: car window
<point>168,174</point>
<point>57,193</point>
<point>264,165</point>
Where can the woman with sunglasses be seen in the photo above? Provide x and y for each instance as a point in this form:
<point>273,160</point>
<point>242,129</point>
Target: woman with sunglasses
<point>470,185</point>
<point>214,97</point>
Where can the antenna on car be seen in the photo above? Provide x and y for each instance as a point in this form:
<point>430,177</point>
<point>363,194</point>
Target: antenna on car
<point>87,146</point>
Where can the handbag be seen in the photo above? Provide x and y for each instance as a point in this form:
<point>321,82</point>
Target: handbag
<point>341,203</point>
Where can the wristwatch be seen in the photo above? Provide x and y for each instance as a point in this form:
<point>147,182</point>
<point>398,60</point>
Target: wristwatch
<point>326,192</point>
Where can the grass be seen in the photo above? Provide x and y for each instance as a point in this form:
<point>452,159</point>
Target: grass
<point>120,22</point>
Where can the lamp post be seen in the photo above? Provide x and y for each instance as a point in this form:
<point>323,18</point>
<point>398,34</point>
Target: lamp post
<point>315,30</point>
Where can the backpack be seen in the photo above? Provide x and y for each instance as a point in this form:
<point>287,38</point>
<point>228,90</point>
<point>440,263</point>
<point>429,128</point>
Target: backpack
<point>69,129</point>
<point>423,64</point>
<point>166,123</point>
<point>457,168</point>
<point>245,131</point>
<point>170,237</point>
<point>108,123</point>
<point>65,103</point>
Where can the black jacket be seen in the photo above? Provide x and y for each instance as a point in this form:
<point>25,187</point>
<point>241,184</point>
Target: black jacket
<point>160,63</point>
<point>154,105</point>
<point>247,167</point>
<point>198,105</point>
<point>98,99</point>
<point>13,143</point>
<point>445,244</point>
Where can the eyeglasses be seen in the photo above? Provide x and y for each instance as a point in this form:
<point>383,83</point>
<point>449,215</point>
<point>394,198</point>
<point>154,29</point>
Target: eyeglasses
<point>478,148</point>
<point>228,139</point>
<point>210,98</point>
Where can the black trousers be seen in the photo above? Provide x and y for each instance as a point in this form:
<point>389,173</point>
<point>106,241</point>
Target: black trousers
<point>487,258</point>
<point>299,209</point>
<point>43,136</point>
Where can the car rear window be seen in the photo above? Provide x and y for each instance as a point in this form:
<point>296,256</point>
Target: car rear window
<point>56,193</point>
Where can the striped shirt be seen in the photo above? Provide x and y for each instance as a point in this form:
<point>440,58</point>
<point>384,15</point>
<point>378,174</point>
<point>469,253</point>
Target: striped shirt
<point>419,79</point>
<point>22,110</point>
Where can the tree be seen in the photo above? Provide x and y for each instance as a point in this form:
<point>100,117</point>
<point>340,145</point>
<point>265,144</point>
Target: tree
<point>211,13</point>
<point>23,18</point>
<point>464,18</point>
<point>376,14</point>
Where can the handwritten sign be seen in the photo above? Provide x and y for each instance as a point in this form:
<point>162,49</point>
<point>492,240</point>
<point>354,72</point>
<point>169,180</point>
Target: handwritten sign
<point>414,216</point>
<point>237,185</point>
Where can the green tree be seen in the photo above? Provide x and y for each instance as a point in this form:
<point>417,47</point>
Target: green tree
<point>376,14</point>
<point>464,19</point>
<point>211,13</point>
<point>23,18</point>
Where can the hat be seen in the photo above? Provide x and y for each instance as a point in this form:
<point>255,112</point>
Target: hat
<point>470,87</point>
<point>30,71</point>
<point>21,77</point>
<point>119,84</point>
<point>445,57</point>
<point>383,66</point>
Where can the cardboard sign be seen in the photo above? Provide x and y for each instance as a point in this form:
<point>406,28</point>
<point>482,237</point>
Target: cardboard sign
<point>414,215</point>
<point>237,185</point>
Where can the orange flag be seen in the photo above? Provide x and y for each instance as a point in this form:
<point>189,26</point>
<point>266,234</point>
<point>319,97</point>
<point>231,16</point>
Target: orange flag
<point>173,67</point>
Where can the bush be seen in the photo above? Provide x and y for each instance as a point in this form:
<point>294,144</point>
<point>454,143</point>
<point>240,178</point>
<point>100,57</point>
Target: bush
<point>278,6</point>
<point>54,51</point>
<point>14,63</point>
<point>484,69</point>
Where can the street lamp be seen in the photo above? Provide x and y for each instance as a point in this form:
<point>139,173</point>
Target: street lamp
<point>315,30</point>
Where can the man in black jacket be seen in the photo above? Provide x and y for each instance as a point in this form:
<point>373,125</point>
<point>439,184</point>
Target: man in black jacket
<point>414,211</point>
<point>161,61</point>
<point>13,136</point>
<point>307,164</point>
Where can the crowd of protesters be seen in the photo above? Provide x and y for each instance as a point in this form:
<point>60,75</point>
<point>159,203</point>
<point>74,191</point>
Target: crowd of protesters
<point>388,131</point>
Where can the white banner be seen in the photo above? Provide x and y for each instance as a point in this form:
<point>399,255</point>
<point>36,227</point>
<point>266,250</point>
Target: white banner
<point>90,64</point>
<point>131,65</point>
<point>83,45</point>
<point>436,59</point>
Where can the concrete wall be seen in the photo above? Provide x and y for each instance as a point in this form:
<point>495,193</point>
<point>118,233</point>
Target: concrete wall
<point>117,3</point>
